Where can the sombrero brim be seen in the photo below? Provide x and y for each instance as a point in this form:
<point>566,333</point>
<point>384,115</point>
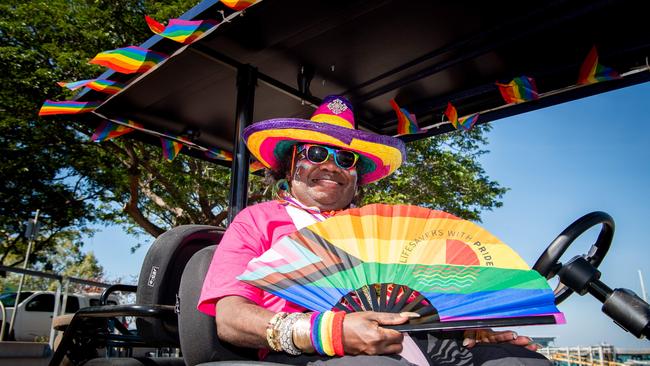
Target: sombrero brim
<point>270,141</point>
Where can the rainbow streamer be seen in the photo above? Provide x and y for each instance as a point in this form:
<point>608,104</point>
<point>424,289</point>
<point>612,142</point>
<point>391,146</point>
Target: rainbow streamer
<point>108,130</point>
<point>406,122</point>
<point>593,72</point>
<point>100,85</point>
<point>128,60</point>
<point>171,148</point>
<point>238,5</point>
<point>520,89</point>
<point>179,30</point>
<point>51,107</point>
<point>466,123</point>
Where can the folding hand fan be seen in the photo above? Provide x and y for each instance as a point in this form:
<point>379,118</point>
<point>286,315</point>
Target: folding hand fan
<point>396,258</point>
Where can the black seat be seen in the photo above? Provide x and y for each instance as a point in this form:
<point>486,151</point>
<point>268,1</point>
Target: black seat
<point>198,331</point>
<point>156,298</point>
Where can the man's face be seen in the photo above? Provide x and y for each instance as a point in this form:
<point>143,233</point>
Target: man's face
<point>324,185</point>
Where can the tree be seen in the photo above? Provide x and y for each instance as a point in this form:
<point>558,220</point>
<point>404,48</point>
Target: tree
<point>443,172</point>
<point>75,182</point>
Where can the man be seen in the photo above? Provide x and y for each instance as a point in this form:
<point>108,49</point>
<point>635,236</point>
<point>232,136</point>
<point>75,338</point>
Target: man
<point>319,164</point>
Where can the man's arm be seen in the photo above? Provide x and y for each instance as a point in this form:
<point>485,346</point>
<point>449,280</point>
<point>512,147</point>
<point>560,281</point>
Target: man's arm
<point>243,323</point>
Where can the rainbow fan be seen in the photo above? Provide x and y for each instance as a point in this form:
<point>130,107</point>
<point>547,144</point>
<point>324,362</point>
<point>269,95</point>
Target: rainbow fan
<point>398,258</point>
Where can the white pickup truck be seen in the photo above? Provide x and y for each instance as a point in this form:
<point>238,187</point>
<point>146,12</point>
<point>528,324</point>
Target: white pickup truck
<point>36,309</point>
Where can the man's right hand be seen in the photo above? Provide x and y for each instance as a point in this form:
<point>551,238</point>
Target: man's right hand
<point>363,334</point>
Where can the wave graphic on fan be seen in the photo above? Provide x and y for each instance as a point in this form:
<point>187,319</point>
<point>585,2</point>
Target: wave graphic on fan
<point>397,258</point>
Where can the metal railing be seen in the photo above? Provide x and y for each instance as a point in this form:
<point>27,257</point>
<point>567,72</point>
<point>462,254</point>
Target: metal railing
<point>59,301</point>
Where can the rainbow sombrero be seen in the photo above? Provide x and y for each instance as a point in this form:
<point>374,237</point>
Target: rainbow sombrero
<point>332,124</point>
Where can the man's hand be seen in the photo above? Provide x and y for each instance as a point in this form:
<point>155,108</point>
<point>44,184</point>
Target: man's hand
<point>363,334</point>
<point>472,337</point>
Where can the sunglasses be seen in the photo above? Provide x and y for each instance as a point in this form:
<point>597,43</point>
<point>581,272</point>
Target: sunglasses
<point>319,154</point>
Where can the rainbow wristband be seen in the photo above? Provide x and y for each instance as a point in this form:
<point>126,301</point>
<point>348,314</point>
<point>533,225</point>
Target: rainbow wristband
<point>326,333</point>
<point>315,321</point>
<point>337,333</point>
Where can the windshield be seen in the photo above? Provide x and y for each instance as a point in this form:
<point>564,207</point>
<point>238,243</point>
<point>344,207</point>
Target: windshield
<point>9,298</point>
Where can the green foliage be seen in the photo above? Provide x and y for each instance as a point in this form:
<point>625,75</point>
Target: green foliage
<point>50,165</point>
<point>442,173</point>
<point>66,259</point>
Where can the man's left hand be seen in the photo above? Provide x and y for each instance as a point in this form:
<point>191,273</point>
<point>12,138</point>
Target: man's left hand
<point>472,337</point>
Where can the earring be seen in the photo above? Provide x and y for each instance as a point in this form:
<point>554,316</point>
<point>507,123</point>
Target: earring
<point>280,187</point>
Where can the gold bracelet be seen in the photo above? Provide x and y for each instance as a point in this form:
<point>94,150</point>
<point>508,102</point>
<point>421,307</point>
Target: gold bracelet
<point>272,332</point>
<point>301,334</point>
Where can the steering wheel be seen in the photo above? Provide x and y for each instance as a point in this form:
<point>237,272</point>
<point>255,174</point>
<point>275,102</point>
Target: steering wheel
<point>548,264</point>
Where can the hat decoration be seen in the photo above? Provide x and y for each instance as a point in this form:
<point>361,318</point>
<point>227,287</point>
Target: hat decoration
<point>271,141</point>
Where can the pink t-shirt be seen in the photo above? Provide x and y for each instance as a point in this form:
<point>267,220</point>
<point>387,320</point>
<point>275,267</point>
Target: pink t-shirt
<point>250,234</point>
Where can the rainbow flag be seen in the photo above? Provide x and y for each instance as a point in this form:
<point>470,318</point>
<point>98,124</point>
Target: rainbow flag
<point>406,122</point>
<point>466,123</point>
<point>179,30</point>
<point>238,5</point>
<point>51,107</point>
<point>520,89</point>
<point>100,85</point>
<point>593,72</point>
<point>108,130</point>
<point>171,148</point>
<point>218,154</point>
<point>128,60</point>
<point>255,166</point>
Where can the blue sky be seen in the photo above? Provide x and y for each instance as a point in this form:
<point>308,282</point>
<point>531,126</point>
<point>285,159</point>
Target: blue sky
<point>559,163</point>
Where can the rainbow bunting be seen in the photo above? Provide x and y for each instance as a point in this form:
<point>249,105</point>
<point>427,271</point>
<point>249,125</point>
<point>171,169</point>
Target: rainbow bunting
<point>179,30</point>
<point>466,123</point>
<point>592,72</point>
<point>128,60</point>
<point>108,130</point>
<point>238,5</point>
<point>51,107</point>
<point>100,85</point>
<point>406,122</point>
<point>520,89</point>
<point>171,148</point>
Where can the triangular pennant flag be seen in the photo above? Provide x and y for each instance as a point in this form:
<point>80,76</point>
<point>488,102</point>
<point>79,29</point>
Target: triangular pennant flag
<point>179,30</point>
<point>238,5</point>
<point>100,85</point>
<point>255,166</point>
<point>452,114</point>
<point>51,107</point>
<point>406,122</point>
<point>108,130</point>
<point>218,154</point>
<point>592,72</point>
<point>128,60</point>
<point>466,123</point>
<point>171,148</point>
<point>520,89</point>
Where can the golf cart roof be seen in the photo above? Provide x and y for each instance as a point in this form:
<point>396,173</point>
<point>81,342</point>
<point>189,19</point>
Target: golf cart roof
<point>424,54</point>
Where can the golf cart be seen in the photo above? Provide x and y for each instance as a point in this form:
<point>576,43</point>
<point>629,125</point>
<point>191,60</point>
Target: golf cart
<point>279,58</point>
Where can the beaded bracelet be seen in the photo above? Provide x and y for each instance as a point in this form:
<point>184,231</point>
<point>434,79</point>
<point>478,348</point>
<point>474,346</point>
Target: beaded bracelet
<point>271,331</point>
